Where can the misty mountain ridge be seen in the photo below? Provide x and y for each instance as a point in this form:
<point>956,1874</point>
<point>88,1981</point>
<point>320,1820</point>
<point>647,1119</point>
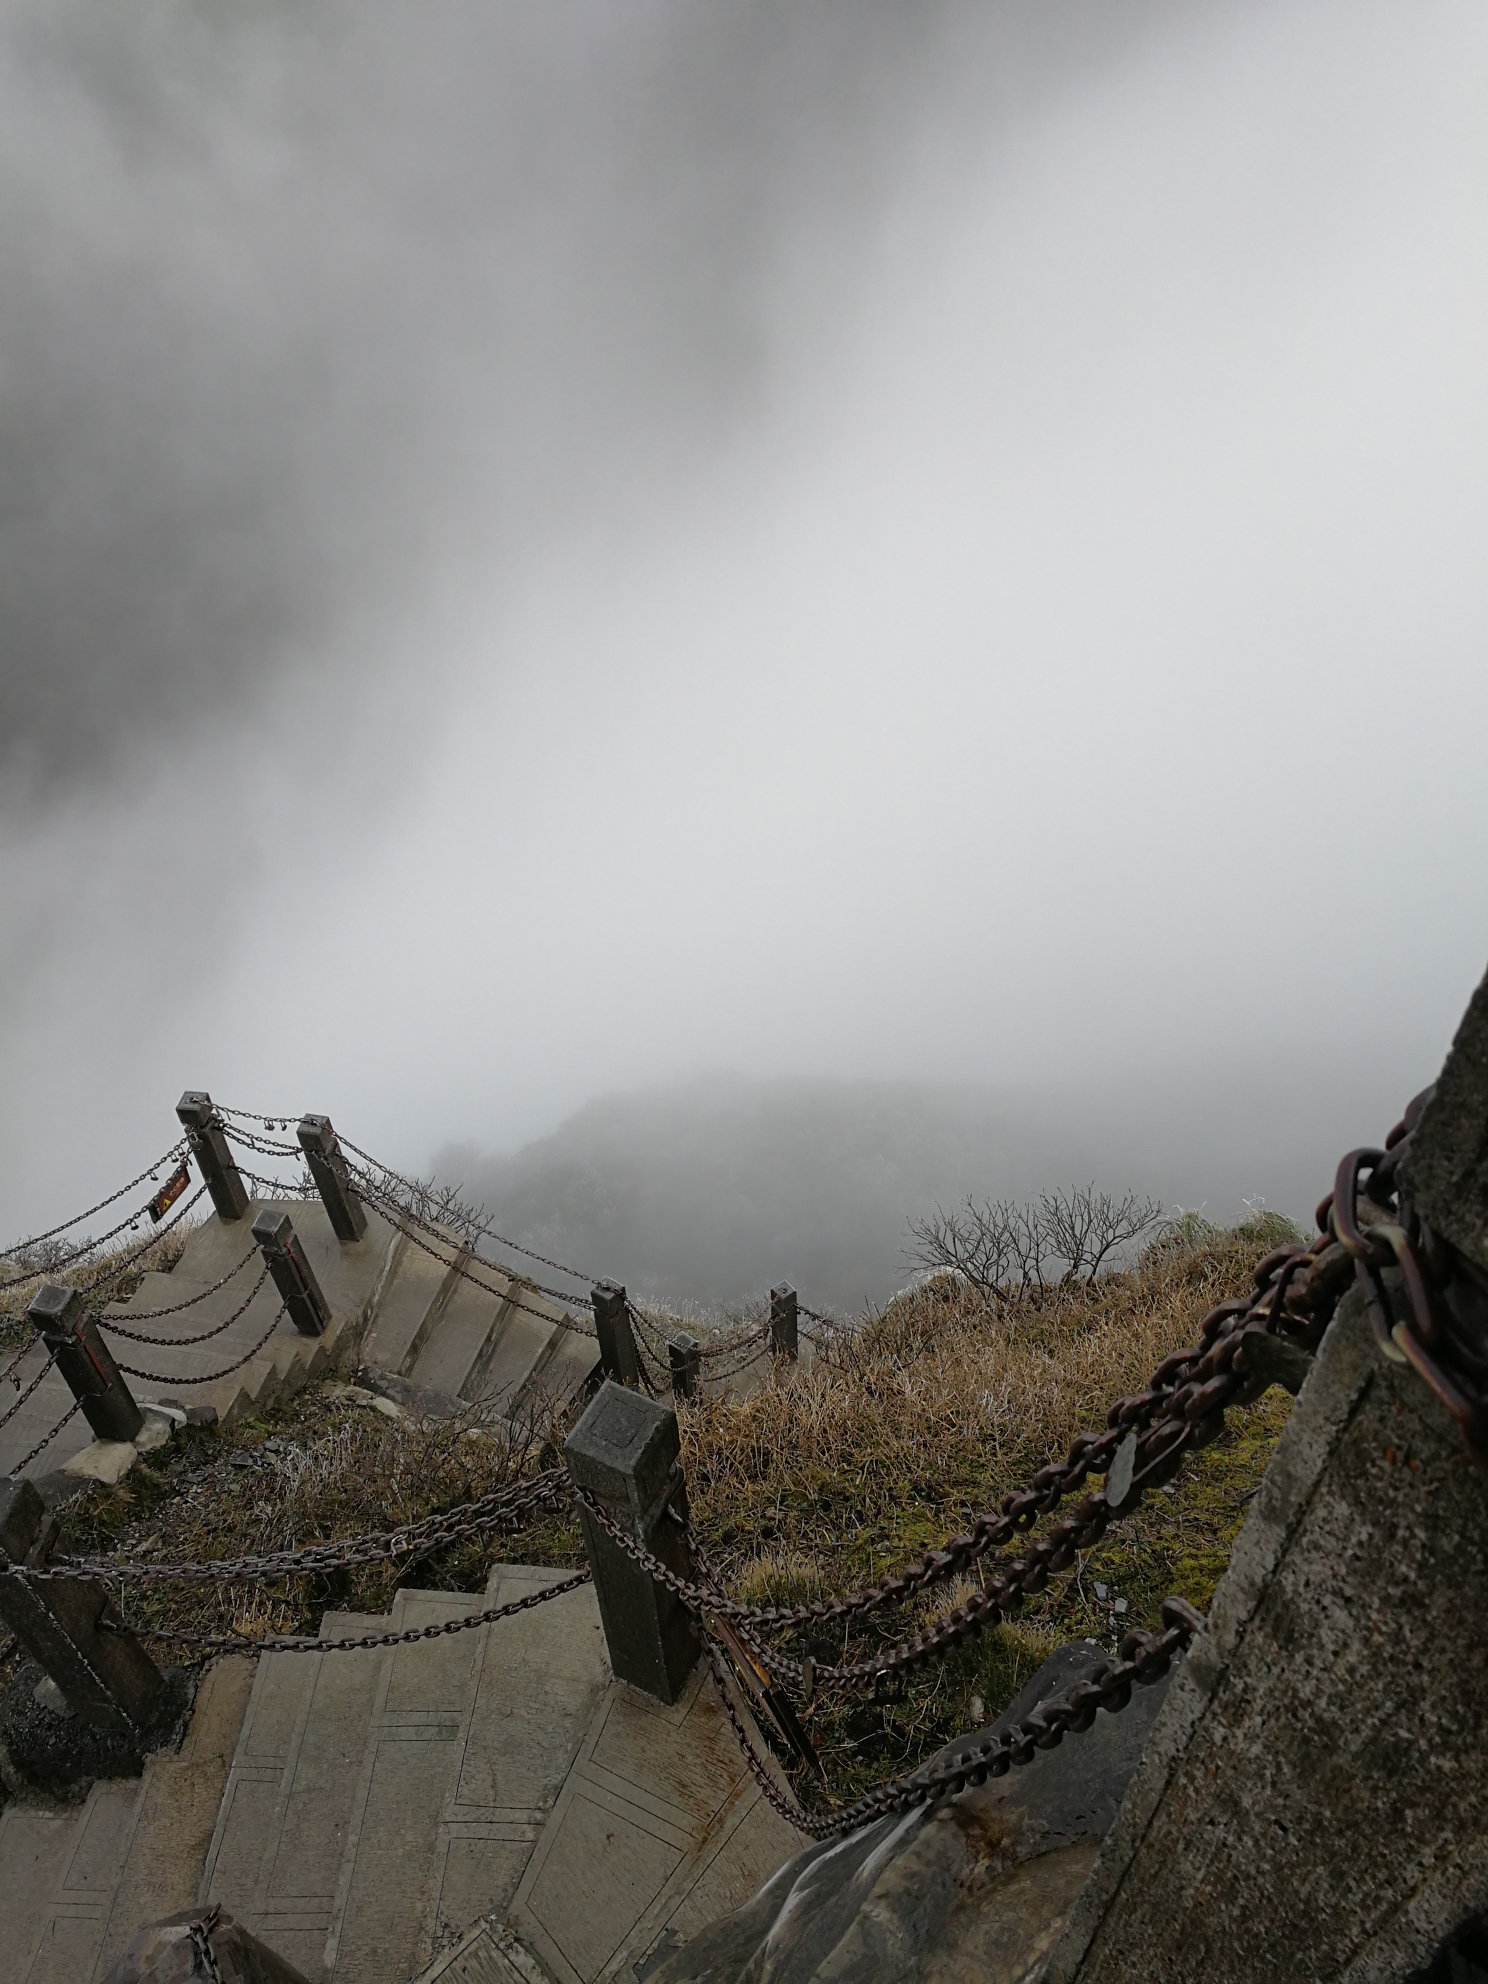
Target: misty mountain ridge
<point>711,1189</point>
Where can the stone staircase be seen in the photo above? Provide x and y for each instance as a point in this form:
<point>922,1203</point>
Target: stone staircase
<point>486,1805</point>
<point>394,1306</point>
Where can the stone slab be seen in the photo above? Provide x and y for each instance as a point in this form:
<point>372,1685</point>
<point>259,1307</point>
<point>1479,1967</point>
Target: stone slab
<point>419,1707</point>
<point>278,1705</point>
<point>175,1813</point>
<point>573,1364</point>
<point>657,1806</point>
<point>36,1847</point>
<point>514,1354</point>
<point>539,1678</point>
<point>107,1461</point>
<point>404,1309</point>
<point>458,1339</point>
<point>306,1833</point>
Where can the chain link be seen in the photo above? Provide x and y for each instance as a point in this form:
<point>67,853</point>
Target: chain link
<point>47,1438</point>
<point>201,1944</point>
<point>292,1643</point>
<point>400,1217</point>
<point>175,1308</point>
<point>11,1411</point>
<point>474,1221</point>
<point>36,1239</point>
<point>209,1377</point>
<point>1144,1658</point>
<point>127,1260</point>
<point>1180,1411</point>
<point>172,1342</point>
<point>440,1531</point>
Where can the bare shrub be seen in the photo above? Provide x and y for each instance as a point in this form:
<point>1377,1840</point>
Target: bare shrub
<point>1006,1250</point>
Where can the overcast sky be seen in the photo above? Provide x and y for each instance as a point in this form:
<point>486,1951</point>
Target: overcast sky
<point>545,549</point>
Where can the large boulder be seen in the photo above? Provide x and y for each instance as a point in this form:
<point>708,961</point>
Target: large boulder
<point>974,1888</point>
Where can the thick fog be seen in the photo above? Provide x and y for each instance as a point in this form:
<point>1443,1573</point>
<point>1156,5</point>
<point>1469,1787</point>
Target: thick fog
<point>780,611</point>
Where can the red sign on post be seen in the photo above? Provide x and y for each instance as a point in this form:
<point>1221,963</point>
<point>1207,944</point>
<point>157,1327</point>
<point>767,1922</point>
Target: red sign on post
<point>169,1192</point>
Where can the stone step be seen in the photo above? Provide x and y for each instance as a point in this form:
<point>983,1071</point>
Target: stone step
<point>259,1793</point>
<point>380,1800</point>
<point>658,1830</point>
<point>176,1811</point>
<point>419,1707</point>
<point>411,1307</point>
<point>75,1882</point>
<point>302,1840</point>
<point>515,1353</point>
<point>539,1677</point>
<point>455,1345</point>
<point>354,1279</point>
<point>573,1363</point>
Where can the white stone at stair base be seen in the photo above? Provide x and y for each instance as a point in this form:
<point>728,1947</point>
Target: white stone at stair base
<point>160,1424</point>
<point>107,1461</point>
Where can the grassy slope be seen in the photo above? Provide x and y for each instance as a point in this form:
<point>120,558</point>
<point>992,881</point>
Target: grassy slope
<point>829,1476</point>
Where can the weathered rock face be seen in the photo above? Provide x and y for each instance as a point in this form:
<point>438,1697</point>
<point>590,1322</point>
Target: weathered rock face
<point>975,1888</point>
<point>1314,1803</point>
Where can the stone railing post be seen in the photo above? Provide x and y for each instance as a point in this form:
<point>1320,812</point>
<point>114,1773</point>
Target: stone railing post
<point>213,1154</point>
<point>292,1274</point>
<point>784,1321</point>
<point>685,1356</point>
<point>327,1164</point>
<point>617,1349</point>
<point>624,1452</point>
<point>79,1352</point>
<point>106,1678</point>
<point>1313,1798</point>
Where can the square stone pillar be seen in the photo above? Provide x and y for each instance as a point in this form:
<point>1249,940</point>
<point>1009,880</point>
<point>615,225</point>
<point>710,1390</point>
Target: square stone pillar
<point>784,1322</point>
<point>214,1158</point>
<point>685,1357</point>
<point>292,1273</point>
<point>106,1678</point>
<point>327,1163</point>
<point>617,1350</point>
<point>78,1350</point>
<point>623,1452</point>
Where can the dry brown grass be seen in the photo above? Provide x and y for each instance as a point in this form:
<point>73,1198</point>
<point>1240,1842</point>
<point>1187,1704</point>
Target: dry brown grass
<point>22,1277</point>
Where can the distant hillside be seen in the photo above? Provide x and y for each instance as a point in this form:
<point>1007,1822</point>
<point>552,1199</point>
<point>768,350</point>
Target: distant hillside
<point>713,1188</point>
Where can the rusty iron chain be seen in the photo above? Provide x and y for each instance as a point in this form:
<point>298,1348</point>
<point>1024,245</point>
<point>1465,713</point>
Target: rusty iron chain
<point>382,1179</point>
<point>1144,1658</point>
<point>15,1363</point>
<point>203,1953</point>
<point>174,1342</point>
<point>175,1308</point>
<point>11,1411</point>
<point>1444,1340</point>
<point>127,1260</point>
<point>78,1254</point>
<point>36,1239</point>
<point>463,1263</point>
<point>294,1643</point>
<point>477,1223</point>
<point>722,1346</point>
<point>1295,1287</point>
<point>210,1377</point>
<point>47,1438</point>
<point>429,1533</point>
